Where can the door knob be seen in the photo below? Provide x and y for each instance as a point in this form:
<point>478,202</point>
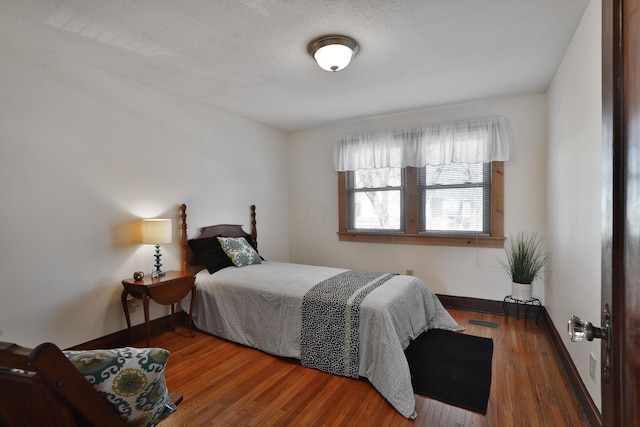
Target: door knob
<point>579,329</point>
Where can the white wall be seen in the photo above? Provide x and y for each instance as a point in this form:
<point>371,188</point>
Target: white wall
<point>83,155</point>
<point>575,129</point>
<point>447,270</point>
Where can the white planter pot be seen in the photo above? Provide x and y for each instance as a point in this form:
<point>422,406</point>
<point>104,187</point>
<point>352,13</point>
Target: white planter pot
<point>521,291</point>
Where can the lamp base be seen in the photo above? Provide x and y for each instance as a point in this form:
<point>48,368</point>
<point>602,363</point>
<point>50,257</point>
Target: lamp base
<point>158,271</point>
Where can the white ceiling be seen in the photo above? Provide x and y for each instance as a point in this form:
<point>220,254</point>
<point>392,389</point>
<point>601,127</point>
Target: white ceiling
<point>249,57</point>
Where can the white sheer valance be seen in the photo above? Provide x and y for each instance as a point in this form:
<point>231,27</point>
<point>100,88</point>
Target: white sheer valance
<point>462,141</point>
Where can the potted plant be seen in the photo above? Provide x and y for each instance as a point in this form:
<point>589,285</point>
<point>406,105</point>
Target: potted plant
<point>526,259</point>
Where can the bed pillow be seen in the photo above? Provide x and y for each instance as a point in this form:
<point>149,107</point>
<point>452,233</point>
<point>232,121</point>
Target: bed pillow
<point>209,253</point>
<point>130,379</point>
<point>251,243</point>
<point>239,251</point>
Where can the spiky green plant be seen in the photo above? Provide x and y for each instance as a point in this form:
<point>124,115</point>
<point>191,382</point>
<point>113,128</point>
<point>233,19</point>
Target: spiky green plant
<point>526,257</point>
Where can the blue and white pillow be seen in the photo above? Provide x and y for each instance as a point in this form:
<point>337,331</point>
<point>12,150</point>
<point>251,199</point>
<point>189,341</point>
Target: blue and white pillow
<point>130,379</point>
<point>239,251</point>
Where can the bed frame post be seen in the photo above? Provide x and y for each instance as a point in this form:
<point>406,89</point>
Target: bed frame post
<point>254,230</point>
<point>183,237</point>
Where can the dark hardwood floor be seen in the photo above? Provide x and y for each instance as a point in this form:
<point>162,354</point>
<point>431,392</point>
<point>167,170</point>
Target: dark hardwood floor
<point>225,384</point>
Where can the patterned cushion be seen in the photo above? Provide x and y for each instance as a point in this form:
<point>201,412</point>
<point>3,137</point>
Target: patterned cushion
<point>239,251</point>
<point>130,379</point>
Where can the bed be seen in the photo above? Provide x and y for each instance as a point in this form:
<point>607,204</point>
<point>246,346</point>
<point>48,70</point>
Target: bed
<point>269,305</point>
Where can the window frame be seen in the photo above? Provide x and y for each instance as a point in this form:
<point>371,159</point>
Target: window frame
<point>411,234</point>
<point>484,185</point>
<point>401,188</point>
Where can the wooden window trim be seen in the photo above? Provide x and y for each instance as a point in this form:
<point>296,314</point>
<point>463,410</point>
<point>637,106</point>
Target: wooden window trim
<point>411,235</point>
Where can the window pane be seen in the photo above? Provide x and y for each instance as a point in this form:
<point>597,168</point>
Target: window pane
<point>463,173</point>
<point>378,178</point>
<point>454,209</point>
<point>377,210</point>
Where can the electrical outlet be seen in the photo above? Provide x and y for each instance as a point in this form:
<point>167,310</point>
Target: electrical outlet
<point>133,303</point>
<point>409,272</point>
<point>592,366</point>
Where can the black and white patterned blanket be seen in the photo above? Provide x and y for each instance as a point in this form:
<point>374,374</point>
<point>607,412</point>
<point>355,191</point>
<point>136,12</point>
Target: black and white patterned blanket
<point>330,321</point>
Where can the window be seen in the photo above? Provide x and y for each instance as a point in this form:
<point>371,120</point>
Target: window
<point>448,215</point>
<point>386,195</point>
<point>376,199</point>
<point>455,198</point>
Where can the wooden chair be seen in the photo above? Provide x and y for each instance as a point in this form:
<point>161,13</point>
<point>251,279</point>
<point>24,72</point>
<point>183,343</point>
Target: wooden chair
<point>57,394</point>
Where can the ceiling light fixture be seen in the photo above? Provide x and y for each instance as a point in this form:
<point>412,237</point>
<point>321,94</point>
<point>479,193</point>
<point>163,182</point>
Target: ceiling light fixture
<point>333,53</point>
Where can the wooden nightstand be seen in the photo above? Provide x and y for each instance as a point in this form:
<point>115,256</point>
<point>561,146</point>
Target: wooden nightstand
<point>166,290</point>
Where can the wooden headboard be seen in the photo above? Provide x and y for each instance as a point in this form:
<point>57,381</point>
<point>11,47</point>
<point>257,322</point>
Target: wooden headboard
<point>226,230</point>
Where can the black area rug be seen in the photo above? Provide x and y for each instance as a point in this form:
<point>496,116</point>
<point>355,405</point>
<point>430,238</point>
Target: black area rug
<point>451,367</point>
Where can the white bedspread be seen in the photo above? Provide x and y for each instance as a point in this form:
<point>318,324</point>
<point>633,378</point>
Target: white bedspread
<point>261,306</point>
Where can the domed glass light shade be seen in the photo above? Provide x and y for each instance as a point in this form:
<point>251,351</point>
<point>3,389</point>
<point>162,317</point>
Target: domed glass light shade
<point>333,53</point>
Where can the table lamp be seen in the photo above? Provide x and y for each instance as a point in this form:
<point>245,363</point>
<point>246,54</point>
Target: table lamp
<point>156,232</point>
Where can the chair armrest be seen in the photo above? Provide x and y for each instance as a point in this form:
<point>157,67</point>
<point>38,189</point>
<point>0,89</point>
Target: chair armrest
<point>70,385</point>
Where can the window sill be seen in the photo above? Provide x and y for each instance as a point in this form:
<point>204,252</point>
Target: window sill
<point>422,239</point>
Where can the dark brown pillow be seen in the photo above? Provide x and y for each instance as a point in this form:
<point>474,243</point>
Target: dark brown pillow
<point>209,253</point>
